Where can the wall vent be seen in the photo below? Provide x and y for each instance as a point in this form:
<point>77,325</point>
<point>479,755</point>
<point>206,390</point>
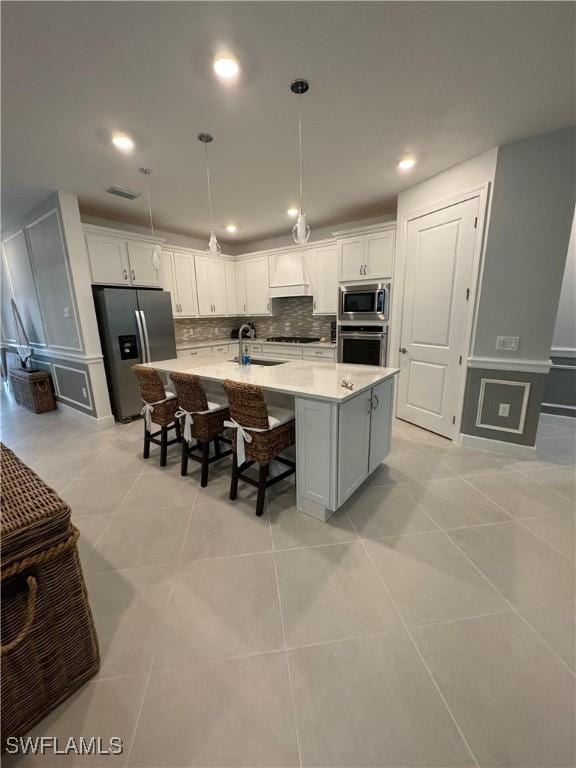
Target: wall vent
<point>128,194</point>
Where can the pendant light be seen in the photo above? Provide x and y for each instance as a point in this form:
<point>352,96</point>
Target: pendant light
<point>213,244</point>
<point>156,250</point>
<point>300,230</point>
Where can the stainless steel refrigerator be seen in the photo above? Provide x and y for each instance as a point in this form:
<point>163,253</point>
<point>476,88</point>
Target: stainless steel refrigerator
<point>136,326</point>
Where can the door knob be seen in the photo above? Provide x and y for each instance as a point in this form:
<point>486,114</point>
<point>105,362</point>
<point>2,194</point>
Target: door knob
<point>403,350</point>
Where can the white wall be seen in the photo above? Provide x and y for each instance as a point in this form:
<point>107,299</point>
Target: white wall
<point>564,340</point>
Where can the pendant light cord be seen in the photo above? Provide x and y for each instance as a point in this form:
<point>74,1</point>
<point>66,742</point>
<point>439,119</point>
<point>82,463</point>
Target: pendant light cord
<point>300,146</point>
<point>150,209</point>
<point>209,188</point>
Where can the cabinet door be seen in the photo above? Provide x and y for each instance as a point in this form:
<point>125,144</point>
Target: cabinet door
<point>108,259</point>
<point>142,270</point>
<point>353,444</point>
<point>203,286</point>
<point>240,268</point>
<point>352,259</point>
<point>218,287</point>
<point>185,281</point>
<point>231,294</point>
<point>286,269</point>
<point>166,277</point>
<point>257,286</point>
<point>381,422</point>
<point>325,280</point>
<point>380,254</point>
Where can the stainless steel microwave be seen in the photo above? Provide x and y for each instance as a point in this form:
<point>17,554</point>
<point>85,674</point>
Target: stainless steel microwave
<point>365,302</point>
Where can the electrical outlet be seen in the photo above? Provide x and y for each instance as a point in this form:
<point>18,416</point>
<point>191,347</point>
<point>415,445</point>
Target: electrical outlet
<point>66,312</point>
<point>508,343</point>
<point>84,393</point>
<point>504,409</point>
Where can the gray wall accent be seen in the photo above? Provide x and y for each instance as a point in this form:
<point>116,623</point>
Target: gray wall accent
<point>18,266</point>
<point>68,377</point>
<point>564,340</point>
<point>494,394</point>
<point>527,243</point>
<point>560,391</point>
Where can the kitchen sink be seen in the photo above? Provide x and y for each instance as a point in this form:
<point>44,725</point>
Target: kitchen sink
<point>264,362</point>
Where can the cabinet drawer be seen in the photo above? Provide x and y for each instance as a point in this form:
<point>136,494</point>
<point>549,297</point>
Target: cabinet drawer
<point>255,349</point>
<point>282,350</point>
<point>220,348</point>
<point>198,352</point>
<point>319,354</point>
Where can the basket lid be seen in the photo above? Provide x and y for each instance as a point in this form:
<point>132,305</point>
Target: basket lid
<point>21,373</point>
<point>33,516</point>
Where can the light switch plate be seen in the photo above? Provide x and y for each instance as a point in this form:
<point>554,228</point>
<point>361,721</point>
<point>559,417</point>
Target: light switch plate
<point>504,409</point>
<point>508,343</point>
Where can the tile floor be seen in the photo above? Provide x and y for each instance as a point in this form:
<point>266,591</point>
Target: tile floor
<point>429,623</point>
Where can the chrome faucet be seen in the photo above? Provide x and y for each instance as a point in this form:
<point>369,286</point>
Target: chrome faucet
<point>240,332</point>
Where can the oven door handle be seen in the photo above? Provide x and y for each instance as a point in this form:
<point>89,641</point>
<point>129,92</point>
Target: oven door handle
<point>377,336</point>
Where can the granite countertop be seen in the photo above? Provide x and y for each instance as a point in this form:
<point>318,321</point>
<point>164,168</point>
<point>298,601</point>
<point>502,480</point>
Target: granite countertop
<point>319,380</point>
<point>217,343</point>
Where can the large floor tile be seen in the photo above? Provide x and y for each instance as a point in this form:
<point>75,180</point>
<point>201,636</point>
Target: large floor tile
<point>101,708</point>
<point>558,530</point>
<point>143,537</point>
<point>128,608</point>
<point>87,441</point>
<point>521,566</point>
<point>161,490</point>
<point>331,592</point>
<point>90,495</point>
<point>219,528</point>
<point>370,702</point>
<point>468,462</point>
<point>386,510</point>
<point>556,624</point>
<point>511,696</point>
<point>561,480</point>
<point>221,608</point>
<point>113,462</point>
<point>226,713</point>
<point>55,468</point>
<point>520,496</point>
<point>405,466</point>
<point>562,448</point>
<point>454,503</point>
<point>91,528</point>
<point>431,580</point>
<point>293,529</point>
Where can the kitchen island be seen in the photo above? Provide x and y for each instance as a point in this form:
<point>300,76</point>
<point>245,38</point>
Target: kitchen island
<point>342,435</point>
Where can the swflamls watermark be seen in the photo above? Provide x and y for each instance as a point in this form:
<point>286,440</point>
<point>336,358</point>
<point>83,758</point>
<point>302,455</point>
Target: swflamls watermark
<point>53,745</point>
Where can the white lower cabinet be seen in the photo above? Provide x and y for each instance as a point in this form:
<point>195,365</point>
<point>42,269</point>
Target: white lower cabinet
<point>328,355</point>
<point>354,442</point>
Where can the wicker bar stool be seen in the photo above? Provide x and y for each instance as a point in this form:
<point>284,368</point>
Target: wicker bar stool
<point>203,420</point>
<point>262,433</point>
<point>159,408</point>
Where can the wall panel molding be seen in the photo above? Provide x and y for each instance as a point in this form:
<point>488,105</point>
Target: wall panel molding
<point>510,364</point>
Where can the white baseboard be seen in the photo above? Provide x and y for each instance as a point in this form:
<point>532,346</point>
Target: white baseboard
<point>551,418</point>
<point>99,423</point>
<point>496,446</point>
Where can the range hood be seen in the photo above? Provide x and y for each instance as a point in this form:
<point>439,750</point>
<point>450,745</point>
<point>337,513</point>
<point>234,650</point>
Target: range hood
<point>288,275</point>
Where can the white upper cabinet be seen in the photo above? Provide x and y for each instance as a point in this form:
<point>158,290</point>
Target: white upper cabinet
<point>211,283</point>
<point>257,286</point>
<point>232,305</point>
<point>367,257</point>
<point>167,279</point>
<point>108,259</point>
<point>177,275</point>
<point>142,270</point>
<point>288,276</point>
<point>240,274</point>
<point>322,267</point>
<point>119,259</point>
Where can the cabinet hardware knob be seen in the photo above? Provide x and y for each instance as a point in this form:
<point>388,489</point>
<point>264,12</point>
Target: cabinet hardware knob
<point>403,350</point>
<point>133,274</point>
<point>125,274</point>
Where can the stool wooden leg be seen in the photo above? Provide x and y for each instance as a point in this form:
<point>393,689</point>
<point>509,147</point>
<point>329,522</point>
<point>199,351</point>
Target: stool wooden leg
<point>146,453</point>
<point>262,477</point>
<point>184,459</point>
<point>205,464</point>
<point>178,430</point>
<point>217,446</point>
<point>163,446</point>
<point>234,478</point>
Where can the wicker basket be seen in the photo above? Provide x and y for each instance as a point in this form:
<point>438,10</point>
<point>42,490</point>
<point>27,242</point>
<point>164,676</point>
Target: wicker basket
<point>33,390</point>
<point>48,641</point>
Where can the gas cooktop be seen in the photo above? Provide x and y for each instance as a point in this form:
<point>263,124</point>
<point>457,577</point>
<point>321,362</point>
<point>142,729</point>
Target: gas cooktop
<point>294,339</point>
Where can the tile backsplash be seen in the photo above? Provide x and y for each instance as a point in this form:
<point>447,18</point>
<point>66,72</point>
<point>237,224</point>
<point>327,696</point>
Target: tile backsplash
<point>292,317</point>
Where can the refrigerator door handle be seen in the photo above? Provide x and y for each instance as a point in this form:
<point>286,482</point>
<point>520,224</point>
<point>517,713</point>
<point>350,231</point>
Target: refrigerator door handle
<point>146,339</point>
<point>141,335</point>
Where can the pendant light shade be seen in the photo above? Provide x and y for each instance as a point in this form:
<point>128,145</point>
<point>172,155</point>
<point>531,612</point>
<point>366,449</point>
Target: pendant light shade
<point>214,248</point>
<point>156,257</point>
<point>300,230</point>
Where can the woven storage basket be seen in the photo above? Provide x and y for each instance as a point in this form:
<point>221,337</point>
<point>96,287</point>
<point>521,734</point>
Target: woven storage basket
<point>49,646</point>
<point>33,390</point>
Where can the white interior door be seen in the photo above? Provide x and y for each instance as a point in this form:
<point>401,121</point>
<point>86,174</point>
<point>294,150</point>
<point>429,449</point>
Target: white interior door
<point>439,260</point>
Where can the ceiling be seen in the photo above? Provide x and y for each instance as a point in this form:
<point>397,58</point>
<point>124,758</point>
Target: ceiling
<point>444,81</point>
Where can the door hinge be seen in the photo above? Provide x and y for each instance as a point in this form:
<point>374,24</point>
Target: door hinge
<point>460,360</point>
<point>467,294</point>
<point>453,419</point>
<point>475,222</point>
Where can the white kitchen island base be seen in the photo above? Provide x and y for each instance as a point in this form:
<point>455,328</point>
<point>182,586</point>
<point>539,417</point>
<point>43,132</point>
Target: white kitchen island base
<point>342,434</point>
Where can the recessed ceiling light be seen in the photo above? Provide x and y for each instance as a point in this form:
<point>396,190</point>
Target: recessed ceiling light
<point>231,228</point>
<point>293,212</point>
<point>406,163</point>
<point>226,67</point>
<point>122,142</point>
